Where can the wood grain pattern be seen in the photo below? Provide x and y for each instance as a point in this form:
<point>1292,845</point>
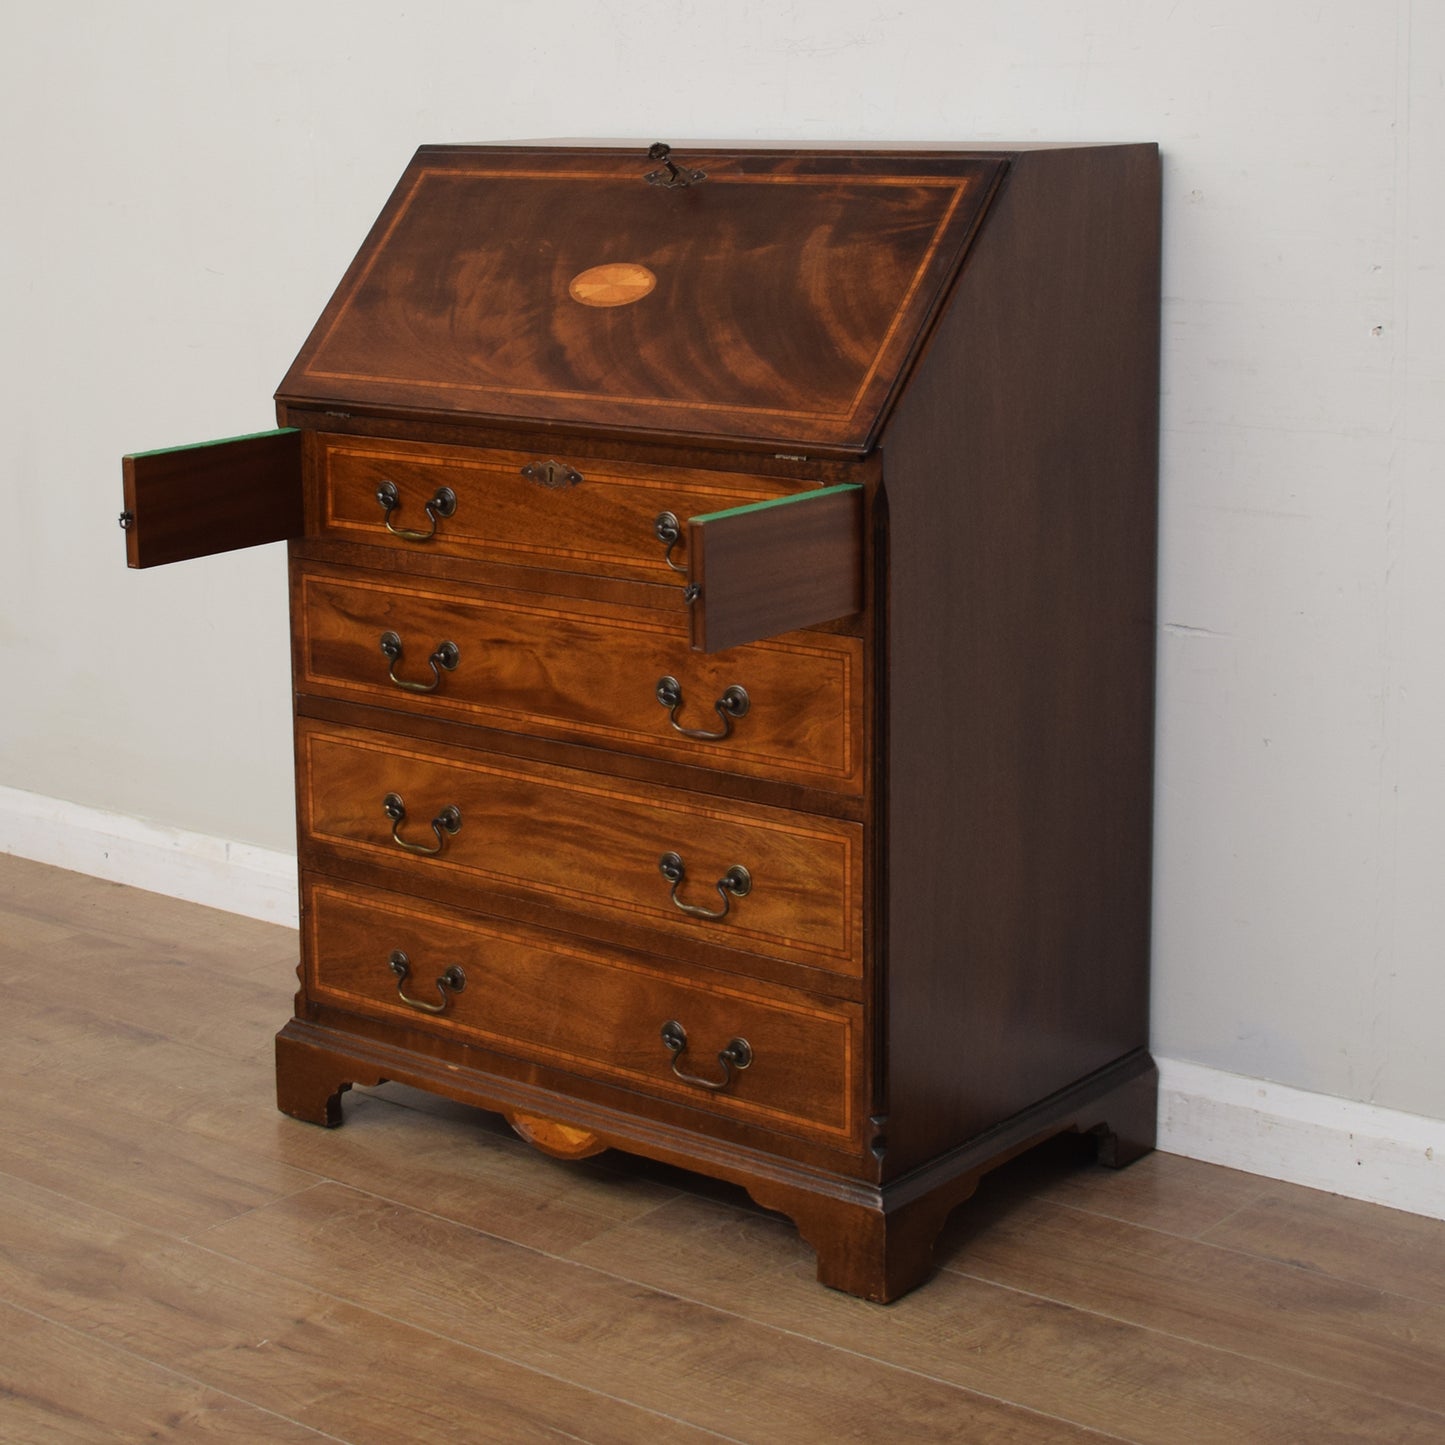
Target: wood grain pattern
<point>603,526</point>
<point>1018,881</point>
<point>195,501</point>
<point>585,671</point>
<point>966,855</point>
<point>789,298</point>
<point>58,1385</point>
<point>1125,1380</point>
<point>1163,1192</point>
<point>463,1278</point>
<point>157,995</point>
<point>616,284</point>
<point>1370,1245</point>
<point>764,570</point>
<point>741,1381</point>
<point>1316,1324</point>
<point>560,1141</point>
<point>127,1166</point>
<point>592,845</point>
<point>276,1343</point>
<point>584,1009</point>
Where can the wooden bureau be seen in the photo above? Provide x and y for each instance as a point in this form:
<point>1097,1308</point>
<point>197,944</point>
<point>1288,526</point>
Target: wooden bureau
<point>723,609</point>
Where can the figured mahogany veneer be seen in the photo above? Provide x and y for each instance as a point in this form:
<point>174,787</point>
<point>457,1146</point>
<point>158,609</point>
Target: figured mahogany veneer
<point>602,525</point>
<point>195,501</point>
<point>776,566</point>
<point>590,844</point>
<point>723,611</point>
<point>789,295</point>
<point>585,671</point>
<point>806,1056</point>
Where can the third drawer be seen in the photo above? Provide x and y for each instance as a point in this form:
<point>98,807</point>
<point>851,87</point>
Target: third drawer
<point>595,849</point>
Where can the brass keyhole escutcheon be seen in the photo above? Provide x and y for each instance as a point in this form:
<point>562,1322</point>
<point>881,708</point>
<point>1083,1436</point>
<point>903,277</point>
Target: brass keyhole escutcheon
<point>553,475</point>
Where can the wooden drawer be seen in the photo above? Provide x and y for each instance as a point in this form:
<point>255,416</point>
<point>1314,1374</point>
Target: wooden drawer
<point>585,672</point>
<point>584,1008</point>
<point>590,844</point>
<point>605,523</point>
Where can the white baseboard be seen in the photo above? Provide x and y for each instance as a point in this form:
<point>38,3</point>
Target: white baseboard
<point>237,877</point>
<point>1358,1150</point>
<point>1348,1148</point>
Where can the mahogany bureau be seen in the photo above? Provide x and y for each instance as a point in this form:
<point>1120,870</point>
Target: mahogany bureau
<point>723,607</point>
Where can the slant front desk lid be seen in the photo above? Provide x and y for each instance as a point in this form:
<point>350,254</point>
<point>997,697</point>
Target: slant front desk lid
<point>765,296</point>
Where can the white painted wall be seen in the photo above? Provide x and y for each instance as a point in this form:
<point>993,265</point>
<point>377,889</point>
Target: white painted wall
<point>185,181</point>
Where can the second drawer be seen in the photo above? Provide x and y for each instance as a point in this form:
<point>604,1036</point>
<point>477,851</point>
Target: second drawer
<point>622,677</point>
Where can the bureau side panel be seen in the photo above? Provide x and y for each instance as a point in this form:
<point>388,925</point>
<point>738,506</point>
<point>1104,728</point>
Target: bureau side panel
<point>1020,476</point>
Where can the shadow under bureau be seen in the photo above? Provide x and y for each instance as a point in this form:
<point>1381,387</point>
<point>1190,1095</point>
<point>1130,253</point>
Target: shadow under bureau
<point>723,597</point>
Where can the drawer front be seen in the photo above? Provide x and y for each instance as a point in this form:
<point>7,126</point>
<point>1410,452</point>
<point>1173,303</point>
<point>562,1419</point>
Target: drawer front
<point>195,501</point>
<point>621,677</point>
<point>775,566</point>
<point>592,844</point>
<point>604,524</point>
<point>588,1010</point>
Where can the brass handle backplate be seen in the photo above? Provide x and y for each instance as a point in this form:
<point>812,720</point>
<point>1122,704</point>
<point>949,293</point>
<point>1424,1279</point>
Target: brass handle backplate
<point>734,703</point>
<point>448,984</point>
<point>445,656</point>
<point>735,1054</point>
<point>442,504</point>
<point>446,824</point>
<point>737,882</point>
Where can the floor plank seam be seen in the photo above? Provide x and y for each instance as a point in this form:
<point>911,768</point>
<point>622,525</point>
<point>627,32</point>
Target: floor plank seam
<point>1197,1343</point>
<point>192,1236</point>
<point>877,1360</point>
<point>1198,1234</point>
<point>970,1390</point>
<point>1234,1214</point>
<point>889,1365</point>
<point>1289,1317</point>
<point>131,1354</point>
<point>848,1350</point>
<point>125,1219</point>
<point>1272,1261</point>
<point>203,1248</point>
<point>622,1278</point>
<point>844,1350</point>
<point>438,1334</point>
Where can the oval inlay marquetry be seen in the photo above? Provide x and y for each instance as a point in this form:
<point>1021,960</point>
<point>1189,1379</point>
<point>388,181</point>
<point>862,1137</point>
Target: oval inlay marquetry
<point>561,1141</point>
<point>619,283</point>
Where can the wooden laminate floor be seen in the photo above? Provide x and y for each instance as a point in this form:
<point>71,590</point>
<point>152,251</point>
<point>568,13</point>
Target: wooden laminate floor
<point>178,1261</point>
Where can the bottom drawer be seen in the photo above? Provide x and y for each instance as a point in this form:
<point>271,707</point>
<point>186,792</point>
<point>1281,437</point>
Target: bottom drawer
<point>586,1009</point>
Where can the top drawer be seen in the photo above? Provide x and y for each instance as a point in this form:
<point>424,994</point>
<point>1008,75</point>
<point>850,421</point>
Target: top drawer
<point>528,509</point>
<point>761,556</point>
